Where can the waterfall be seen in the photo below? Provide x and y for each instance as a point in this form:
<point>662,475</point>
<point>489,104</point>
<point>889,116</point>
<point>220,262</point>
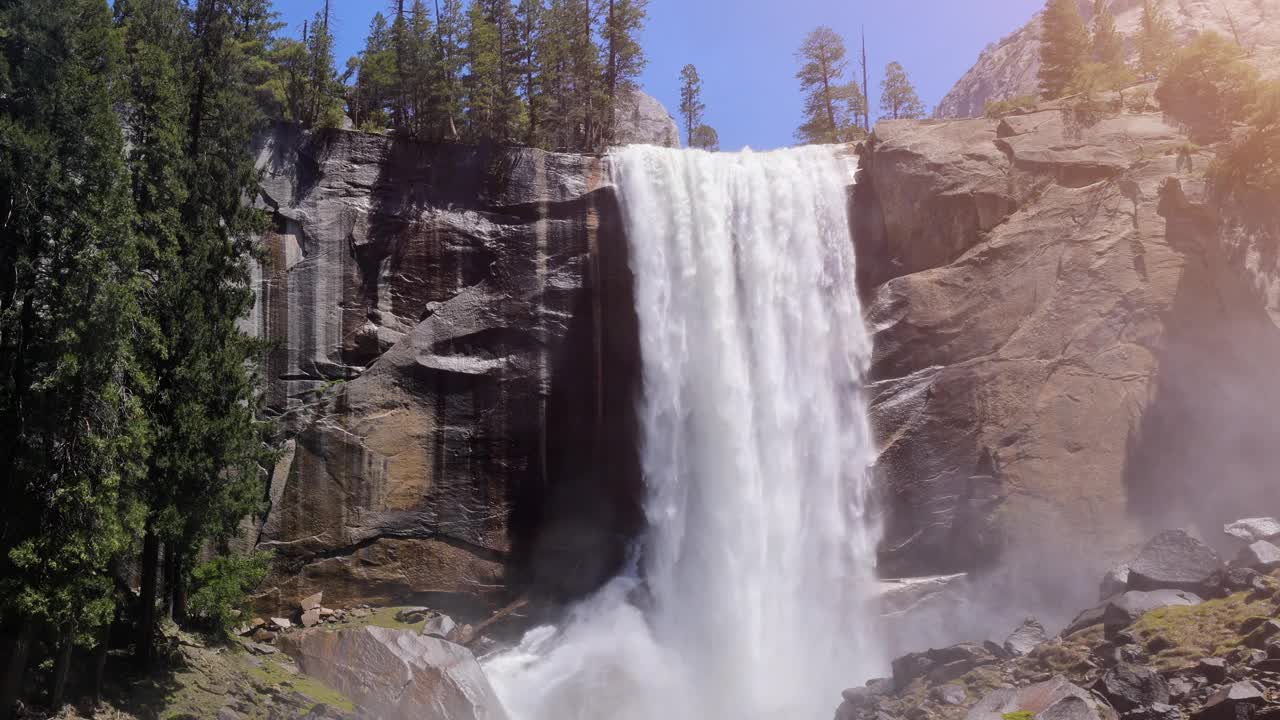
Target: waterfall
<point>750,595</point>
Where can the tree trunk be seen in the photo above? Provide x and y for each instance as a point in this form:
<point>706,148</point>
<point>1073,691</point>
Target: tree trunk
<point>866,89</point>
<point>178,588</point>
<point>166,588</point>
<point>588,124</point>
<point>17,670</point>
<point>61,669</point>
<point>612,79</point>
<point>826,99</point>
<point>147,620</point>
<point>100,662</point>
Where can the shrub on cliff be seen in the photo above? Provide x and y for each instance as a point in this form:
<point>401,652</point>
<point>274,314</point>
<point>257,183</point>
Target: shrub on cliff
<point>1209,87</point>
<point>996,109</point>
<point>221,588</point>
<point>1251,162</point>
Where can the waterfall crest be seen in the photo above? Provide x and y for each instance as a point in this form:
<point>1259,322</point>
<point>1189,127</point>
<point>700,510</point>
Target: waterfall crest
<point>757,564</point>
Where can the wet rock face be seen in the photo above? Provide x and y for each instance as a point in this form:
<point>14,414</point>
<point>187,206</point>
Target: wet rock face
<point>1065,328</point>
<point>453,367</point>
<point>397,674</point>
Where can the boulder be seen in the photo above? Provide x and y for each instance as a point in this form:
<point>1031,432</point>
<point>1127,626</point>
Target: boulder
<point>441,626</point>
<point>1030,635</point>
<point>311,617</point>
<point>1239,579</point>
<point>397,674</point>
<point>1129,687</point>
<point>311,602</point>
<point>261,648</point>
<point>1053,699</point>
<point>1259,555</point>
<point>949,694</point>
<point>940,665</point>
<point>1252,530</point>
<point>642,120</point>
<point>411,615</point>
<point>281,623</point>
<point>1213,668</point>
<point>1173,560</point>
<point>1237,701</point>
<point>1156,711</point>
<point>1114,582</point>
<point>1262,636</point>
<point>1124,609</point>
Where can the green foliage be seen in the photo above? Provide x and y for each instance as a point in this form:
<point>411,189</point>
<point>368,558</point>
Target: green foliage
<point>1209,86</point>
<point>529,22</point>
<point>1251,161</point>
<point>1064,47</point>
<point>623,57</point>
<point>493,111</point>
<point>369,99</point>
<point>72,431</point>
<point>999,108</point>
<point>1155,40</point>
<point>221,587</point>
<point>1106,47</point>
<point>898,98</point>
<point>832,105</point>
<point>691,105</point>
<point>306,85</point>
<point>705,137</point>
<point>1096,78</point>
<point>1019,715</point>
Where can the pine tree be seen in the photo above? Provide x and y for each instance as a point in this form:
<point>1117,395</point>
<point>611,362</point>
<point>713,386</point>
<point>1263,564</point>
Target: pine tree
<point>1106,70</point>
<point>449,61</point>
<point>1064,47</point>
<point>369,100</point>
<point>421,75</point>
<point>529,18</point>
<point>72,433</point>
<point>203,477</point>
<point>623,57</point>
<point>306,85</point>
<point>493,73</point>
<point>832,105</point>
<point>555,94</point>
<point>691,106</point>
<point>1155,40</point>
<point>898,98</point>
<point>1107,46</point>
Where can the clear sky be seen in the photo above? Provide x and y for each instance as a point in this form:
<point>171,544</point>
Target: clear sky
<point>745,49</point>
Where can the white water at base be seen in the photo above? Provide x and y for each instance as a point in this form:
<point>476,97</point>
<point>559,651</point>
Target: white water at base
<point>757,565</point>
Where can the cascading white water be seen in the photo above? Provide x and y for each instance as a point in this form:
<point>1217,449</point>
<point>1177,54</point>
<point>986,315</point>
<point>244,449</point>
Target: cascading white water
<point>756,567</point>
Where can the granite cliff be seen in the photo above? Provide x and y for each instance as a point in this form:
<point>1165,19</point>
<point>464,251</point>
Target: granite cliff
<point>1008,68</point>
<point>453,365</point>
<point>1073,347</point>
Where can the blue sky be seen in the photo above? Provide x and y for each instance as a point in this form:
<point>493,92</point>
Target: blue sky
<point>744,49</point>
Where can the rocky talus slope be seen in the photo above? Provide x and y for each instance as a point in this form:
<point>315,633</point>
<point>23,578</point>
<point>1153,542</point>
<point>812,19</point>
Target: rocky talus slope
<point>1073,346</point>
<point>1008,68</point>
<point>1151,650</point>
